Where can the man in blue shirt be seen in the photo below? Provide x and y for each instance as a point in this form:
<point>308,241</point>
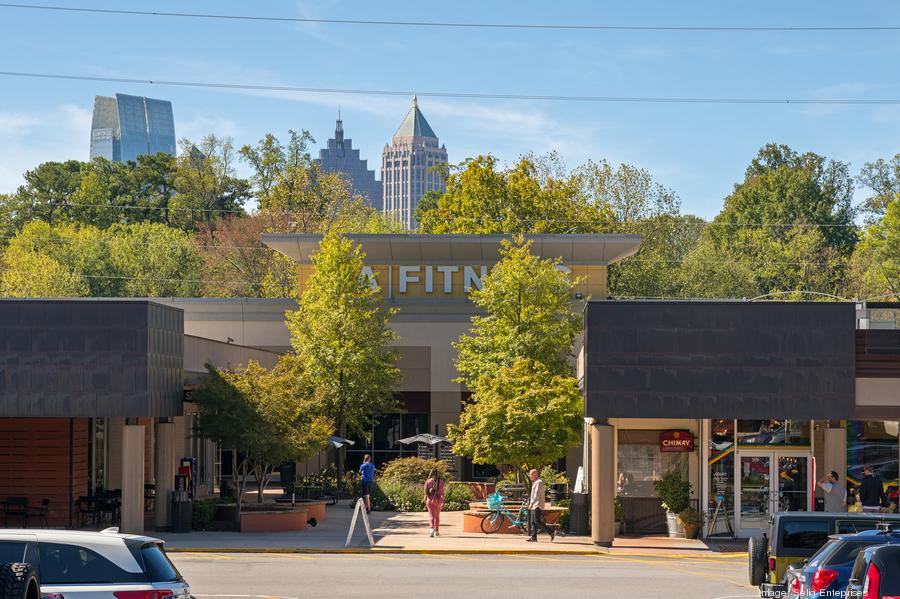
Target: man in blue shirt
<point>367,470</point>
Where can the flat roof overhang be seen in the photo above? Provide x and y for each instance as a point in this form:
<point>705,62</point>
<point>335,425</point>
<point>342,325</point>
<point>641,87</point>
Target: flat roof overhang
<point>572,249</point>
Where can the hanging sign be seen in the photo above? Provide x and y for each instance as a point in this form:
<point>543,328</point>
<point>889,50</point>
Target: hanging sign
<point>676,441</point>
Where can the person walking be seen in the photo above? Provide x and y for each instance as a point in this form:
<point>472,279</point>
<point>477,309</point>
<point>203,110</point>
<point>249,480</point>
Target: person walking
<point>434,501</point>
<point>835,493</point>
<point>367,470</point>
<point>536,504</point>
<point>871,491</point>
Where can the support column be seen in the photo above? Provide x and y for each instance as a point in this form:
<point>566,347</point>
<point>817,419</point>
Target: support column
<point>164,463</point>
<point>603,484</point>
<point>132,514</point>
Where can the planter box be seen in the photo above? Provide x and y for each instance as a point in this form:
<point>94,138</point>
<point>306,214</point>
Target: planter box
<point>472,520</point>
<point>274,521</point>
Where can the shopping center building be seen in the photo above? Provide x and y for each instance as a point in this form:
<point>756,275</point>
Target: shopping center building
<point>749,400</point>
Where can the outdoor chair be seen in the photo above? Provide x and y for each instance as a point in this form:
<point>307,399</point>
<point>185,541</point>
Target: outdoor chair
<point>17,507</point>
<point>40,513</point>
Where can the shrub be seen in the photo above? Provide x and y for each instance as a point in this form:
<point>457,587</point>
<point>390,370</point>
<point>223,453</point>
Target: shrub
<point>203,512</point>
<point>548,475</point>
<point>327,479</point>
<point>674,491</point>
<point>412,470</point>
<point>690,516</point>
<point>619,510</point>
<point>402,496</point>
<point>457,497</point>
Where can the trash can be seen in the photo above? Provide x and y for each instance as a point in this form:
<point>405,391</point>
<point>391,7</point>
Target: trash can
<point>579,520</point>
<point>181,511</point>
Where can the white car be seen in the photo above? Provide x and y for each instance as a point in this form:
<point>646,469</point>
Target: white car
<point>95,565</point>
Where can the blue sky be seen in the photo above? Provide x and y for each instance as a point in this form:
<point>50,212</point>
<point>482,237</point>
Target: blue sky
<point>700,151</point>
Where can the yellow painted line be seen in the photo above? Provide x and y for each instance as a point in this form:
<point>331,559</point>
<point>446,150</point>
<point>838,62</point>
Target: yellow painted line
<point>682,570</point>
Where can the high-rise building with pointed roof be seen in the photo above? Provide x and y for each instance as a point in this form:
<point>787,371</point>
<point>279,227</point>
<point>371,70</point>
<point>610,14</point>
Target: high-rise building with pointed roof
<point>406,166</point>
<point>339,156</point>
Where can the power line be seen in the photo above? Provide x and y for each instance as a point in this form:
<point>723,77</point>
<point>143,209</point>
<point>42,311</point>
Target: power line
<point>461,95</point>
<point>462,24</point>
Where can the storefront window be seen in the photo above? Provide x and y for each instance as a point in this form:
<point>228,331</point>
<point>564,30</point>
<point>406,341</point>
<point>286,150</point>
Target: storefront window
<point>782,433</point>
<point>873,443</point>
<point>641,463</point>
<point>721,475</point>
<point>97,454</point>
<point>382,441</point>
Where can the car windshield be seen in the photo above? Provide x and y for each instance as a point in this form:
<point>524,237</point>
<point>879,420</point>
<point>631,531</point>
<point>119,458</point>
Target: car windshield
<point>12,551</point>
<point>72,564</point>
<point>157,564</point>
<point>846,552</point>
<point>822,555</point>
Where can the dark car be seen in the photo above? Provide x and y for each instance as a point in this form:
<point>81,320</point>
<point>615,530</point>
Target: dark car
<point>876,573</point>
<point>794,537</point>
<point>827,573</point>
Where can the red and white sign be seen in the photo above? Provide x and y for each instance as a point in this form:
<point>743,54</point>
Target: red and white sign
<point>676,441</point>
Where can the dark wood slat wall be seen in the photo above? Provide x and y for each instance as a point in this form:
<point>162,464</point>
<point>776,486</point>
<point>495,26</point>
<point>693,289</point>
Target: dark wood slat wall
<point>878,353</point>
<point>35,463</point>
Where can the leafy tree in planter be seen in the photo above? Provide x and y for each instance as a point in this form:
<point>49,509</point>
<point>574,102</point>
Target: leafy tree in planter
<point>342,341</point>
<point>267,417</point>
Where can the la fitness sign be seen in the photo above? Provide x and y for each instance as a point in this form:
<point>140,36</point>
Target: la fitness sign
<point>430,279</point>
<point>676,441</point>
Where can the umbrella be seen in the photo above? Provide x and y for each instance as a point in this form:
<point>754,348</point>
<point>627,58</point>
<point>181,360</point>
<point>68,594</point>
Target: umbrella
<point>426,438</point>
<point>338,442</point>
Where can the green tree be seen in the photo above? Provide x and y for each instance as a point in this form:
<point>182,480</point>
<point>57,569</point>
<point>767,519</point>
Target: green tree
<point>527,304</point>
<point>206,187</point>
<point>270,159</point>
<point>342,341</point>
<point>156,260</point>
<point>882,177</point>
<point>787,226</point>
<point>522,415</point>
<point>876,262</point>
<point>267,417</point>
<point>528,198</point>
<point>32,274</point>
<point>48,190</point>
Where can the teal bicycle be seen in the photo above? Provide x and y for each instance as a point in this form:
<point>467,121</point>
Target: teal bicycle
<point>494,520</point>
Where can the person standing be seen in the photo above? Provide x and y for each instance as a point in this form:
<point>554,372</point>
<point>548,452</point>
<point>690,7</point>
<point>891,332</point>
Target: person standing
<point>536,504</point>
<point>835,493</point>
<point>367,470</point>
<point>434,501</point>
<point>871,491</point>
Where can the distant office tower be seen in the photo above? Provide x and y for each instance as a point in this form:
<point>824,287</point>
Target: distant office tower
<point>125,127</point>
<point>340,157</point>
<point>406,163</point>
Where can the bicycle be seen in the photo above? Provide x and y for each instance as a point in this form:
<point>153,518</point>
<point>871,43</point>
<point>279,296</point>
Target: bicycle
<point>494,519</point>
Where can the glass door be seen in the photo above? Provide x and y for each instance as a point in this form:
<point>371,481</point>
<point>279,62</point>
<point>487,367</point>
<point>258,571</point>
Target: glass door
<point>770,482</point>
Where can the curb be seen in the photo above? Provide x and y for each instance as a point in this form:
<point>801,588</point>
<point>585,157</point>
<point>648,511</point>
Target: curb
<point>399,551</point>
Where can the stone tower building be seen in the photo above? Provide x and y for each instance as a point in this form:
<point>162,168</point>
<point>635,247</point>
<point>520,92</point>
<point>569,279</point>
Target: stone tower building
<point>340,157</point>
<point>406,166</point>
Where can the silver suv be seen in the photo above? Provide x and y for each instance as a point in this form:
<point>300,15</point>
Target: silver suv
<point>95,565</point>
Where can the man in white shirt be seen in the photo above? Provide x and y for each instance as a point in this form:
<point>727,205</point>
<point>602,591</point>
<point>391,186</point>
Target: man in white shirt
<point>536,506</point>
<point>835,493</point>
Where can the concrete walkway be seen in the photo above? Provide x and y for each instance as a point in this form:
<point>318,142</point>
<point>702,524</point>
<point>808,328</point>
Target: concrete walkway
<point>407,532</point>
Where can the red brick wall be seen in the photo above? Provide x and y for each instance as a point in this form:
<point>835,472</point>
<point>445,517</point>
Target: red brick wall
<point>34,463</point>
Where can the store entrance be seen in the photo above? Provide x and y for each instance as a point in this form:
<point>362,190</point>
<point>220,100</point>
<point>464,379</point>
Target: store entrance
<point>768,482</point>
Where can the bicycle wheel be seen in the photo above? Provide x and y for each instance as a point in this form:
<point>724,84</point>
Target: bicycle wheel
<point>491,522</point>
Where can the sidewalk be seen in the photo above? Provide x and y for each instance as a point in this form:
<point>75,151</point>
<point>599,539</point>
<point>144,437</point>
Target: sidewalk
<point>407,532</point>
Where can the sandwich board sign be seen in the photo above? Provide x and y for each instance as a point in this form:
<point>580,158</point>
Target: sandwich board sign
<point>360,511</point>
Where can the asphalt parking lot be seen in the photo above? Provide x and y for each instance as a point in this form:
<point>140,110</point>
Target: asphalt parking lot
<point>295,576</point>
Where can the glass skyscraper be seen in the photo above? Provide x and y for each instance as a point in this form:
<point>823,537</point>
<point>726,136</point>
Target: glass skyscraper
<point>126,127</point>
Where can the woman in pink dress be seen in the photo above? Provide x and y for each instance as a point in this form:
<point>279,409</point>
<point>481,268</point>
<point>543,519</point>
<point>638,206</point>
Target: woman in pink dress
<point>434,501</point>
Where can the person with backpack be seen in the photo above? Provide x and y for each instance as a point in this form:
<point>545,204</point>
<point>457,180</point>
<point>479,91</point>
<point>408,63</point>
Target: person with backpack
<point>871,491</point>
<point>367,472</point>
<point>434,501</point>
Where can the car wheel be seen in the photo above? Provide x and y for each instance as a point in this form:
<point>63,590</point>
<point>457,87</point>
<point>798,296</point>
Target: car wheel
<point>756,554</point>
<point>19,581</point>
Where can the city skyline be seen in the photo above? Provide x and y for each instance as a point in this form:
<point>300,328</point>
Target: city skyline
<point>340,156</point>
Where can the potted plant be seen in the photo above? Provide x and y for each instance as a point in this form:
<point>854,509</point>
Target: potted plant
<point>620,517</point>
<point>691,521</point>
<point>675,493</point>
